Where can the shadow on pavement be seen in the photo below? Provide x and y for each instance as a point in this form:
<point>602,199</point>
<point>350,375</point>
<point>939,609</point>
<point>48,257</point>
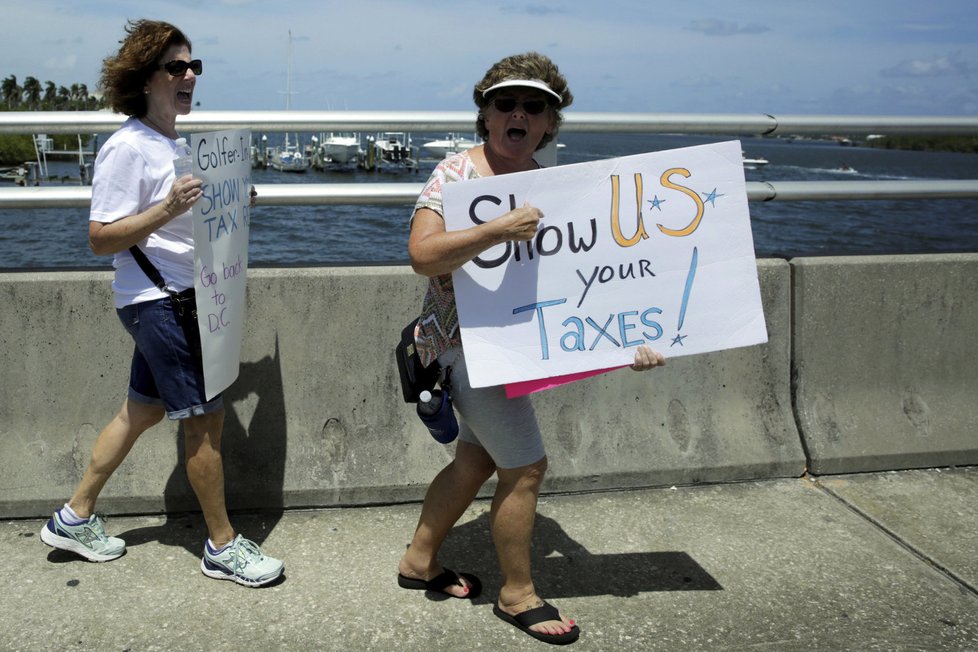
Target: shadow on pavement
<point>563,568</point>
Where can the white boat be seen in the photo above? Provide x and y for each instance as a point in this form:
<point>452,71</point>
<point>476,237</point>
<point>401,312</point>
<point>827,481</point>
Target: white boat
<point>16,174</point>
<point>390,150</point>
<point>753,163</point>
<point>451,145</point>
<point>391,146</point>
<point>288,157</point>
<point>340,149</point>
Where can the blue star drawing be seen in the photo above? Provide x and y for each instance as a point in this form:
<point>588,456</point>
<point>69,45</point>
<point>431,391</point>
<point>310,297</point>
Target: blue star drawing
<point>656,202</point>
<point>711,197</point>
<point>678,339</point>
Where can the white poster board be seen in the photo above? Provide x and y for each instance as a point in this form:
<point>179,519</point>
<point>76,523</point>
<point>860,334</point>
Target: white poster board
<point>649,249</point>
<point>221,227</point>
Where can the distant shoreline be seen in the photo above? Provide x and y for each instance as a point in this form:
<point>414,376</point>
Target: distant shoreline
<point>961,144</point>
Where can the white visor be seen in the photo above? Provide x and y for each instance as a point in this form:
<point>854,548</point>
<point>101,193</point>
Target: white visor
<point>525,83</point>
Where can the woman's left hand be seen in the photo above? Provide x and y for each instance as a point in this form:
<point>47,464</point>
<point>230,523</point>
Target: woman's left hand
<point>646,358</point>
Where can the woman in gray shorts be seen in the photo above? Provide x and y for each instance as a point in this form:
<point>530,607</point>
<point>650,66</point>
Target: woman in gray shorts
<point>519,102</point>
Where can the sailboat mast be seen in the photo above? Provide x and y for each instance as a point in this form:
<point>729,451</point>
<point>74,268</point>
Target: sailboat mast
<point>288,81</point>
<point>288,86</point>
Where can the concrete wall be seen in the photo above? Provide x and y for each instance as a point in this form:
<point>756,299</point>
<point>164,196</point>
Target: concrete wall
<point>316,417</point>
<point>884,353</point>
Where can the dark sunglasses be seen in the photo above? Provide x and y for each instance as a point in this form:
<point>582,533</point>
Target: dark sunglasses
<point>178,67</point>
<point>507,104</point>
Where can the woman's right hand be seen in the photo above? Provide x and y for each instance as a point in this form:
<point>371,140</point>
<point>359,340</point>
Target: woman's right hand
<point>434,251</point>
<point>520,223</point>
<point>183,194</point>
<point>113,237</point>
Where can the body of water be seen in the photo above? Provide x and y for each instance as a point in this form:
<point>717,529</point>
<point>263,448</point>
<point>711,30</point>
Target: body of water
<point>358,235</point>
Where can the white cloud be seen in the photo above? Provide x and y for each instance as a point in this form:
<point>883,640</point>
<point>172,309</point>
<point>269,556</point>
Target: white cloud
<point>717,27</point>
<point>951,65</point>
<point>65,62</point>
<point>534,9</point>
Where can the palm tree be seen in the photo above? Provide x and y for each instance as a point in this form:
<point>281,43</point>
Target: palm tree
<point>50,100</point>
<point>64,98</point>
<point>32,93</point>
<point>11,91</point>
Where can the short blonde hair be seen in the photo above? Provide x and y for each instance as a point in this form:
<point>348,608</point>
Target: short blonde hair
<point>530,65</point>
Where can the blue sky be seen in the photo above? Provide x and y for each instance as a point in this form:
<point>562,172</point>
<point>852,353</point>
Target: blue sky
<point>760,56</point>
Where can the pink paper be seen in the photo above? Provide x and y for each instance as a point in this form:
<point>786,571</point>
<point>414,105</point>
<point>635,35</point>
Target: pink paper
<point>529,386</point>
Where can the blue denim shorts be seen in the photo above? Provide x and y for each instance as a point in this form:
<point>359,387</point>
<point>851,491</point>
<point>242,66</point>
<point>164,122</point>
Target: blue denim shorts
<point>167,365</point>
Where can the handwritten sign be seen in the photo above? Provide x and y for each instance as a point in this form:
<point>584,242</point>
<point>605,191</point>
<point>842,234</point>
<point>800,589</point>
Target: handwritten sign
<point>650,249</point>
<point>221,227</point>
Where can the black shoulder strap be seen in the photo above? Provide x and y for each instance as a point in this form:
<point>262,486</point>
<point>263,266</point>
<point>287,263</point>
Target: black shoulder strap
<point>149,269</point>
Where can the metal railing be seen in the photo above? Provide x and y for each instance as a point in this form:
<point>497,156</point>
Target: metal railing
<point>399,194</point>
<point>98,122</point>
<point>72,122</point>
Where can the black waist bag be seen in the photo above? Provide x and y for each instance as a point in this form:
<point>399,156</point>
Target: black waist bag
<point>184,303</point>
<point>185,308</point>
<point>415,377</point>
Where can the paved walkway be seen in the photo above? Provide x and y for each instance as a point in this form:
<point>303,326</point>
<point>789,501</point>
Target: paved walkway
<point>883,561</point>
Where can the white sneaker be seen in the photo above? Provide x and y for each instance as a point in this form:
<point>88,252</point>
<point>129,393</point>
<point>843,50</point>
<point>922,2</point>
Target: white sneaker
<point>87,539</point>
<point>242,561</point>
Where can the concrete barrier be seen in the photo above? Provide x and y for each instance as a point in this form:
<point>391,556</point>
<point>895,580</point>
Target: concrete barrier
<point>316,418</point>
<point>884,361</point>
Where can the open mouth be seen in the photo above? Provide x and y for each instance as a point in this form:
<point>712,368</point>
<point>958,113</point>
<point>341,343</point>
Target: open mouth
<point>516,134</point>
<point>185,96</point>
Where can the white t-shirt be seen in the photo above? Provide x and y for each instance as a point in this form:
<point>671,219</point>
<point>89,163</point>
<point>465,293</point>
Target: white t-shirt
<point>134,171</point>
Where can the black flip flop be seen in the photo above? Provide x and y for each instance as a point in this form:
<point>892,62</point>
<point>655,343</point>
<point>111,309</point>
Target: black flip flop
<point>527,619</point>
<point>441,582</point>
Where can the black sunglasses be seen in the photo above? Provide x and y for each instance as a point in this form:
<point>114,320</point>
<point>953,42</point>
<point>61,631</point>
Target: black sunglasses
<point>507,104</point>
<point>178,67</point>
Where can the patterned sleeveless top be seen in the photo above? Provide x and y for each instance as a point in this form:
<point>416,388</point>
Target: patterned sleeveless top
<point>437,329</point>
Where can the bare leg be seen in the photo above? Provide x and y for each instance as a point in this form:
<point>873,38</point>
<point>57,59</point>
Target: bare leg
<point>514,508</point>
<point>111,447</point>
<point>205,470</point>
<point>448,496</point>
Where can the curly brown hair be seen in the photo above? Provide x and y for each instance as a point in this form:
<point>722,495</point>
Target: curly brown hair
<point>530,65</point>
<point>124,74</point>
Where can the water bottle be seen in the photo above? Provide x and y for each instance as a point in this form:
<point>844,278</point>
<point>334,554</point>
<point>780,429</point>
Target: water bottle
<point>182,164</point>
<point>435,410</point>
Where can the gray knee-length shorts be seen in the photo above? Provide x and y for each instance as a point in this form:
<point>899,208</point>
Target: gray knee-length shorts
<point>506,428</point>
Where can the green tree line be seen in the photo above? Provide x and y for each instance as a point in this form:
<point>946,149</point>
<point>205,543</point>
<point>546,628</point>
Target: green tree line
<point>32,95</point>
<point>968,144</point>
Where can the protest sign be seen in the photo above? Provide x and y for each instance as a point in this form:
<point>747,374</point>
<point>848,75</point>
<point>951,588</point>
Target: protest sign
<point>649,249</point>
<point>221,226</point>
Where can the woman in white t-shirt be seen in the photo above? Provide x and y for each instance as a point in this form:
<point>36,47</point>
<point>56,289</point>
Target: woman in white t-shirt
<point>142,215</point>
